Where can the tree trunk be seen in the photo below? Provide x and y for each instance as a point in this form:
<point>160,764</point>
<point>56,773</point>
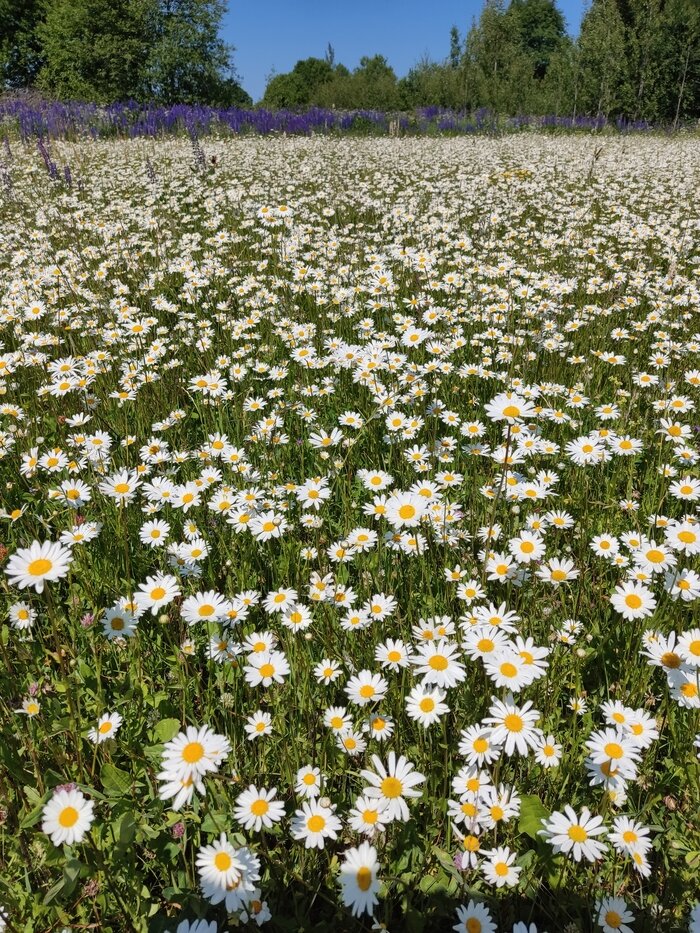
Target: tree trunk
<point>682,88</point>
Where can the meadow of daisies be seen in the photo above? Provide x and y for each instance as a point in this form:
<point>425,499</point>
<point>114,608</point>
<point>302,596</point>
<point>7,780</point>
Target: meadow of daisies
<point>350,535</point>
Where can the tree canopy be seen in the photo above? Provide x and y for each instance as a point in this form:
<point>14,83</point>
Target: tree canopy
<point>166,51</point>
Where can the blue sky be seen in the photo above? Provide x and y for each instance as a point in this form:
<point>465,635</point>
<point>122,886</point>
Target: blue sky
<point>271,34</point>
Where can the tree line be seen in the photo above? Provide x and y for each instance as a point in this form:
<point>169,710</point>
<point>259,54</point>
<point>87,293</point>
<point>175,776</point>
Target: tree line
<point>637,59</point>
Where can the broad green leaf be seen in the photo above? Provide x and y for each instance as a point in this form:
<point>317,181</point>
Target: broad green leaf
<point>115,782</point>
<point>166,729</point>
<point>532,812</point>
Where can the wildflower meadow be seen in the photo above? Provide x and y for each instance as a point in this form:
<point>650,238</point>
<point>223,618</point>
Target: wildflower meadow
<point>350,534</point>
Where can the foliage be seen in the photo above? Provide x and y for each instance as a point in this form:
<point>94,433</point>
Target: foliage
<point>166,51</point>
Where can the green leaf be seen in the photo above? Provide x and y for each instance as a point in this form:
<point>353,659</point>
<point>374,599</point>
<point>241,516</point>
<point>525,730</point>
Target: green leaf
<point>71,873</point>
<point>532,812</point>
<point>127,829</point>
<point>214,823</point>
<point>166,729</point>
<point>115,782</point>
<point>32,818</point>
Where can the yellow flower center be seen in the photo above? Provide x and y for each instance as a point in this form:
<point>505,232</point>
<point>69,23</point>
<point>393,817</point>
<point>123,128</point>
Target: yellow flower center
<point>391,787</point>
<point>39,567</point>
<point>315,823</point>
<point>259,807</point>
<point>68,817</point>
<point>223,861</point>
<point>192,752</point>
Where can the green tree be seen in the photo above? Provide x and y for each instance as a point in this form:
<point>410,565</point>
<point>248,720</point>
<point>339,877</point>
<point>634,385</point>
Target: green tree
<point>300,86</point>
<point>604,87</point>
<point>20,48</point>
<point>96,49</point>
<point>188,62</point>
<point>498,71</point>
<point>538,29</point>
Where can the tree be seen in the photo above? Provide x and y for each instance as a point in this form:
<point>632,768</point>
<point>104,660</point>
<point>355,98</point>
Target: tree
<point>188,62</point>
<point>168,51</point>
<point>95,49</point>
<point>455,47</point>
<point>539,30</point>
<point>605,88</point>
<point>20,48</point>
<point>300,86</point>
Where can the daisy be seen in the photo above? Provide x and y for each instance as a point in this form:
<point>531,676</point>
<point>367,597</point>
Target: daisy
<point>633,601</point>
<point>308,781</point>
<point>314,823</point>
<point>351,742</point>
<point>258,809</point>
<point>507,669</point>
<point>405,509</point>
<point>227,874</point>
<point>119,623</point>
<point>120,486</point>
<point>379,727</point>
<point>509,407</point>
<point>500,869</point>
<point>393,654</point>
<point>194,752</point>
<point>689,647</point>
<point>258,724</point>
<point>527,547</point>
<point>30,707</point>
<point>474,918</point>
<point>616,747</point>
<point>368,816</point>
<point>438,664</point>
<point>41,562</point>
<point>358,879</point>
<point>366,688</point>
<point>568,833</point>
<point>67,816</point>
<point>425,706</point>
<point>22,616</point>
<point>107,727</point>
<point>547,752</point>
<point>613,915</point>
<point>557,571</point>
<point>156,592</point>
<point>478,747</point>
<point>393,783</point>
<point>154,533</point>
<point>204,607</point>
<point>629,836</point>
<point>327,671</point>
<point>512,726</point>
<point>265,668</point>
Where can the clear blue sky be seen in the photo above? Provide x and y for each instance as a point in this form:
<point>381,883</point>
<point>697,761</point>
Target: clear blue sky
<point>271,34</point>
